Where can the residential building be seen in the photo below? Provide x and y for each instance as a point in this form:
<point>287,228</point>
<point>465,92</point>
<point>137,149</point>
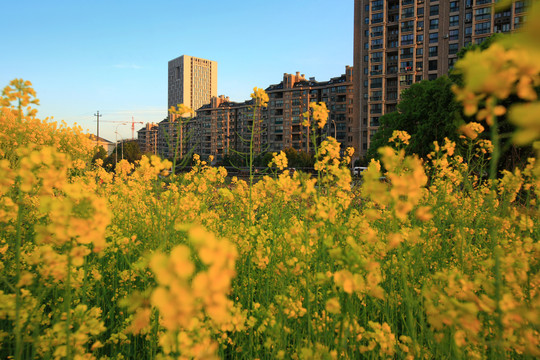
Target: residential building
<point>192,81</point>
<point>147,138</point>
<point>400,42</point>
<point>289,101</point>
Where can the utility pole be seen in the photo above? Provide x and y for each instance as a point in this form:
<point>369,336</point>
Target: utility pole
<point>97,139</point>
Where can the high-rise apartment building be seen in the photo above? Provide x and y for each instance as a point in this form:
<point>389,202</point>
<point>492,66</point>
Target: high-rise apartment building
<point>290,99</point>
<point>400,42</point>
<point>192,81</point>
<point>147,138</point>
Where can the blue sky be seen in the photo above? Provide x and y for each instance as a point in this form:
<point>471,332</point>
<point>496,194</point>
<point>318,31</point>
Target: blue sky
<point>83,56</point>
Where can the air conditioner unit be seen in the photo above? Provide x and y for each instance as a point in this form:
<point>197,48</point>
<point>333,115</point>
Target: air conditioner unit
<point>419,28</point>
<point>418,69</point>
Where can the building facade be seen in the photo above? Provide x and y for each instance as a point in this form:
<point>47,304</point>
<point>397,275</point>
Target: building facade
<point>400,42</point>
<point>147,138</point>
<point>223,127</point>
<point>192,81</point>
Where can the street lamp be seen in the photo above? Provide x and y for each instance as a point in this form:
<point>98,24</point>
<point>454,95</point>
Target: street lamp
<point>116,132</point>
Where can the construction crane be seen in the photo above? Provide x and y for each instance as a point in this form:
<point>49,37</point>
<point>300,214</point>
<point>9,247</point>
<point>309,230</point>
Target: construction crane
<point>133,122</point>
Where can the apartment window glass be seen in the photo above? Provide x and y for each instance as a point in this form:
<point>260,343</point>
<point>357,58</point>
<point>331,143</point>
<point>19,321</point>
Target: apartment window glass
<point>377,31</point>
<point>432,65</point>
<point>451,62</point>
<point>405,80</point>
<point>377,18</point>
<point>376,56</point>
<point>419,51</point>
<point>482,14</point>
<point>454,20</point>
<point>406,53</point>
<point>374,121</point>
<point>377,5</point>
<point>481,2</point>
<point>407,13</point>
<point>376,83</point>
<point>433,37</point>
<point>433,50</point>
<point>375,109</point>
<point>407,39</point>
<point>376,44</point>
<point>407,26</point>
<point>419,66</point>
<point>468,31</point>
<point>420,38</point>
<point>407,2</point>
<point>420,25</point>
<point>453,48</point>
<point>518,21</point>
<point>434,10</point>
<point>433,24</point>
<point>418,78</point>
<point>482,28</point>
<point>406,66</point>
<point>454,6</point>
<point>520,7</point>
<point>420,11</point>
<point>453,34</point>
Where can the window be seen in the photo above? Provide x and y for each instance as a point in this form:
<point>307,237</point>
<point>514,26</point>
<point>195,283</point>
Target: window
<point>520,7</point>
<point>376,31</point>
<point>407,26</point>
<point>482,28</point>
<point>377,5</point>
<point>433,24</point>
<point>418,78</point>
<point>406,66</point>
<point>420,25</point>
<point>432,77</point>
<point>480,2</point>
<point>501,28</point>
<point>376,69</point>
<point>405,80</point>
<point>375,108</point>
<point>451,62</point>
<point>377,18</point>
<point>453,34</point>
<point>420,38</point>
<point>433,50</point>
<point>419,66</point>
<point>393,44</point>
<point>407,39</point>
<point>482,14</point>
<point>376,83</point>
<point>406,53</point>
<point>366,20</point>
<point>376,56</point>
<point>419,51</point>
<point>453,48</point>
<point>454,20</point>
<point>518,21</point>
<point>420,11</point>
<point>432,65</point>
<point>468,31</point>
<point>434,10</point>
<point>407,13</point>
<point>454,6</point>
<point>433,37</point>
<point>376,44</point>
<point>374,121</point>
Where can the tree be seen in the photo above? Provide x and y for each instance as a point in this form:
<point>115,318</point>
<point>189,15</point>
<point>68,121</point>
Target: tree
<point>101,153</point>
<point>427,111</point>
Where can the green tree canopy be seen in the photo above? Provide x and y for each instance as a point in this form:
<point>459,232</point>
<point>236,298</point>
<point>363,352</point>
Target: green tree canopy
<point>427,111</point>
